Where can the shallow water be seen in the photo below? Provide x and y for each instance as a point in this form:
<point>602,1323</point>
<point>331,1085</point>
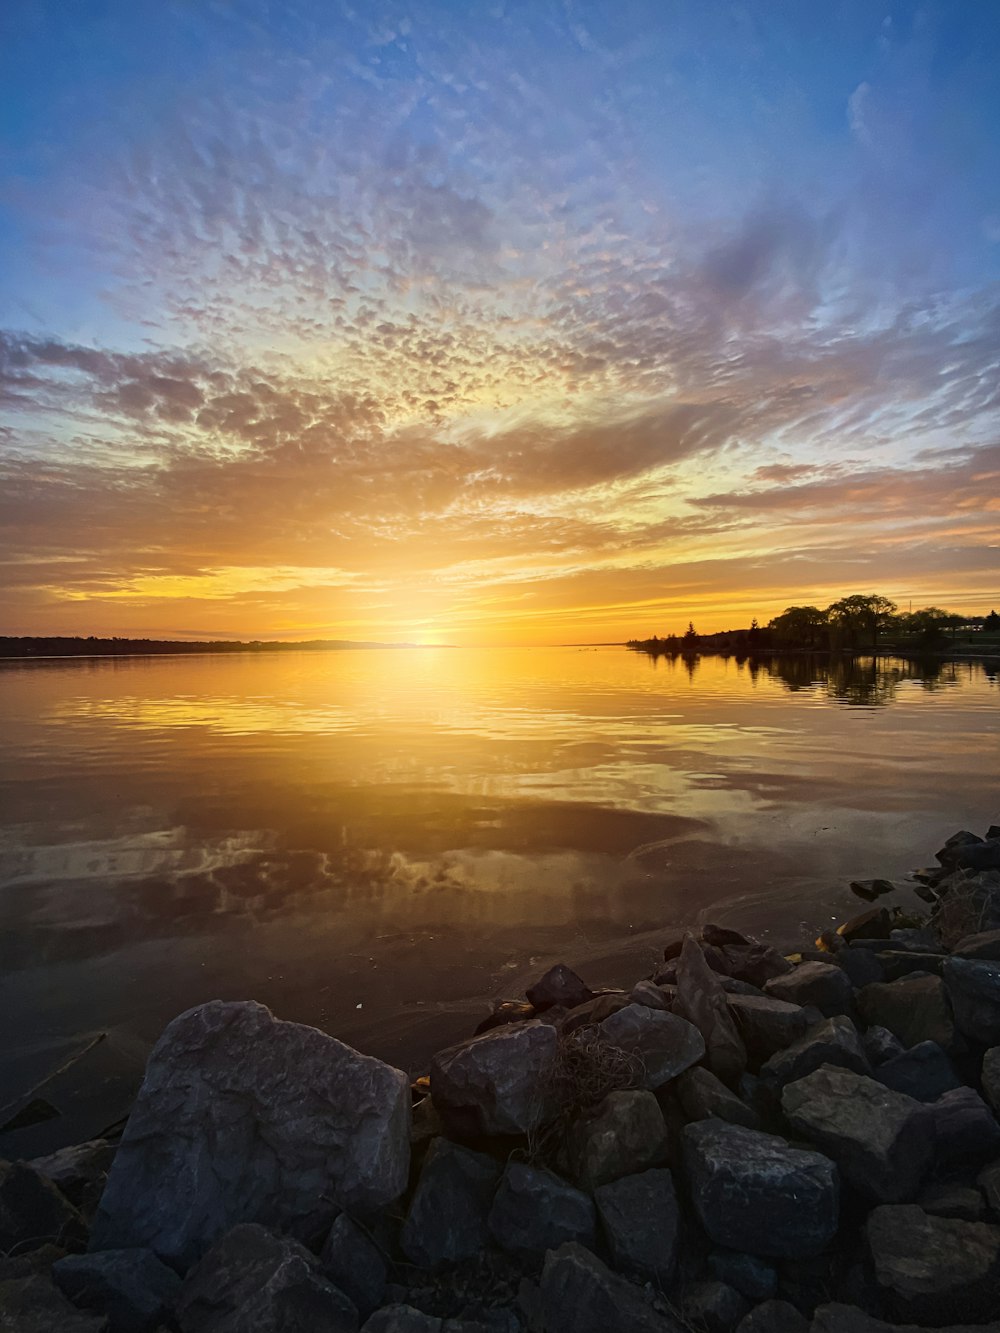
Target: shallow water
<point>378,842</point>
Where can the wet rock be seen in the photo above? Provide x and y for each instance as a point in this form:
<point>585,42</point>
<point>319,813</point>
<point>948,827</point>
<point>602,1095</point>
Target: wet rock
<point>559,985</point>
<point>983,855</point>
<point>950,1199</point>
<point>132,1287</point>
<point>701,1095</point>
<point>924,1072</point>
<point>534,1211</point>
<point>861,965</point>
<point>871,889</point>
<point>79,1172</point>
<point>702,1001</point>
<point>34,1213</point>
<point>880,1139</point>
<point>880,1045</point>
<point>773,1317</point>
<point>641,1221</point>
<point>750,1275</point>
<point>251,1279</point>
<point>625,1134</point>
<point>664,1044</point>
<point>966,1132</point>
<point>983,946</point>
<point>824,985</point>
<point>713,1306</point>
<point>242,1116</point>
<point>496,1083</point>
<point>968,904</point>
<point>835,1041</point>
<point>768,1025</point>
<point>934,1270</point>
<point>34,1305</point>
<point>991,1077</point>
<point>582,1295</point>
<point>448,1216</point>
<point>913,1009</point>
<point>973,987</point>
<point>754,1193</point>
<point>954,846</point>
<point>354,1263</point>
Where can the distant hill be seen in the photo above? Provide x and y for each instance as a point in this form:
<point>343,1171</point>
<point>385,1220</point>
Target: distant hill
<point>18,646</point>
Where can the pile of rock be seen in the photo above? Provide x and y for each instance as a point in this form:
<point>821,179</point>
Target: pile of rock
<point>744,1141</point>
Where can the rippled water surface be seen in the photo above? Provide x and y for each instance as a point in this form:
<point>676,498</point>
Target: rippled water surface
<point>378,842</point>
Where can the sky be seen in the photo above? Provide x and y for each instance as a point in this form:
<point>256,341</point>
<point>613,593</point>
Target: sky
<point>503,321</point>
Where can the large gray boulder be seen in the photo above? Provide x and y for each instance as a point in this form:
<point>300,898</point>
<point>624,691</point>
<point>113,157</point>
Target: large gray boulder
<point>768,1025</point>
<point>880,1139</point>
<point>499,1083</point>
<point>641,1220</point>
<point>534,1211</point>
<point>663,1044</point>
<point>448,1215</point>
<point>132,1287</point>
<point>925,1071</point>
<point>973,987</point>
<point>581,1295</point>
<point>914,1009</point>
<point>965,1130</point>
<point>241,1117</point>
<point>701,999</point>
<point>754,1193</point>
<point>824,985</point>
<point>624,1134</point>
<point>701,1095</point>
<point>934,1271</point>
<point>252,1281</point>
<point>835,1041</point>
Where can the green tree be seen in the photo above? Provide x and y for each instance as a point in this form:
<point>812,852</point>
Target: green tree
<point>862,616</point>
<point>801,626</point>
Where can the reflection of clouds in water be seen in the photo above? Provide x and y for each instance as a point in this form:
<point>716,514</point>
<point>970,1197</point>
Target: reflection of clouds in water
<point>162,851</point>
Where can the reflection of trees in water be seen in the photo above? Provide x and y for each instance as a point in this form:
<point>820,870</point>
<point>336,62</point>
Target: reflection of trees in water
<point>865,681</point>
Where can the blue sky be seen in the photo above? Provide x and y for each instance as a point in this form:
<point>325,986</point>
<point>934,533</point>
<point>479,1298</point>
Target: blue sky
<point>494,320</point>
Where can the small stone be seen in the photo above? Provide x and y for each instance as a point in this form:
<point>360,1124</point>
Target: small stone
<point>880,1139</point>
<point>701,1095</point>
<point>496,1083</point>
<point>768,1025</point>
<point>582,1295</point>
<point>935,1270</point>
<point>702,1001</point>
<point>132,1287</point>
<point>773,1317</point>
<point>641,1220</point>
<point>713,1306</point>
<point>534,1211</point>
<point>973,987</point>
<point>835,1041</point>
<point>34,1213</point>
<point>625,1134</point>
<point>965,1130</point>
<point>34,1305</point>
<point>447,1219</point>
<point>354,1263</point>
<point>750,1275</point>
<point>754,1193</point>
<point>914,1009</point>
<point>824,985</point>
<point>251,1279</point>
<point>559,985</point>
<point>664,1044</point>
<point>924,1072</point>
<point>880,1045</point>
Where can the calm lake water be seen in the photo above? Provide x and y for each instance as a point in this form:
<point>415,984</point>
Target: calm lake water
<point>379,842</point>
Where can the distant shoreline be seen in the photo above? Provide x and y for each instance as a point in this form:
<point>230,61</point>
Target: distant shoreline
<point>31,648</point>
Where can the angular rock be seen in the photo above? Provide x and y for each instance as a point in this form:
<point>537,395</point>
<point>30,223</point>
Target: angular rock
<point>626,1133</point>
<point>559,985</point>
<point>79,1172</point>
<point>34,1305</point>
<point>641,1220</point>
<point>132,1287</point>
<point>750,1275</point>
<point>713,1306</point>
<point>754,963</point>
<point>880,1139</point>
<point>988,1181</point>
<point>34,1213</point>
<point>354,1263</point>
<point>400,1318</point>
<point>447,1219</point>
<point>934,1270</point>
<point>723,936</point>
<point>835,1041</point>
<point>651,995</point>
<point>824,985</point>
<point>985,945</point>
<point>991,1077</point>
<point>948,1199</point>
<point>241,1117</point>
<point>924,1072</point>
<point>880,1045</point>
<point>966,1132</point>
<point>593,1012</point>
<point>768,1025</point>
<point>251,1279</point>
<point>15,1266</point>
<point>773,1317</point>
<point>973,987</point>
<point>872,888</point>
<point>534,1211</point>
<point>664,1044</point>
<point>861,965</point>
<point>951,851</point>
<point>754,1193</point>
<point>504,1012</point>
<point>702,1001</point>
<point>733,986</point>
<point>913,1009</point>
<point>499,1083</point>
<point>968,904</point>
<point>702,1095</point>
<point>875,924</point>
<point>582,1295</point>
<point>896,965</point>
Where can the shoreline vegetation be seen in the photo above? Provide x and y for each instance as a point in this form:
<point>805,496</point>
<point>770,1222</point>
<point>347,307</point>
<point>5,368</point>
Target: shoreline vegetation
<point>14,647</point>
<point>863,623</point>
<point>744,1141</point>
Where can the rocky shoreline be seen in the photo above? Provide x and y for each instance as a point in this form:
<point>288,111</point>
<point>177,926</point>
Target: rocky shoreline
<point>744,1141</point>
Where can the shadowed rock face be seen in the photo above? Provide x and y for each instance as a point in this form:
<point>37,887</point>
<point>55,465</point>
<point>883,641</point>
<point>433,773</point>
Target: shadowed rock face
<point>244,1118</point>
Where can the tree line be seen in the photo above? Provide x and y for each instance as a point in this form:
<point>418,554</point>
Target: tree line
<point>862,621</point>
